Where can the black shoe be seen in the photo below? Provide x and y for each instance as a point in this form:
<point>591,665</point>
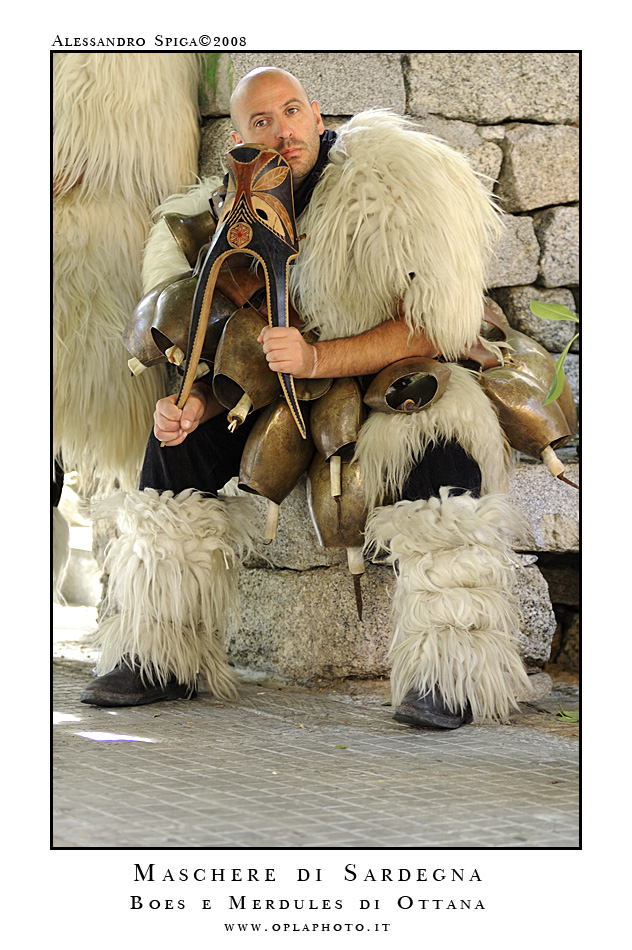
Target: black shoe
<point>430,711</point>
<point>123,686</point>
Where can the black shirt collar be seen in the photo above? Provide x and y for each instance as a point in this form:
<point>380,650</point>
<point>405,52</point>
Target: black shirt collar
<point>305,190</point>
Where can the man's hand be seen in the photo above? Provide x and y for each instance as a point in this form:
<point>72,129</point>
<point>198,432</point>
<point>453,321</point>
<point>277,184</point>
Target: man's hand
<point>287,352</point>
<point>172,425</point>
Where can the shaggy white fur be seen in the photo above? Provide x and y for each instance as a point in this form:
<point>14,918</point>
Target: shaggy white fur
<point>389,445</point>
<point>173,584</point>
<point>125,124</point>
<point>397,214</point>
<point>101,413</point>
<point>163,258</point>
<point>455,614</point>
<point>125,136</point>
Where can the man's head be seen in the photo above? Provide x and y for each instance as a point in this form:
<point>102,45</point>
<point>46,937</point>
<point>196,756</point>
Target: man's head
<point>269,107</point>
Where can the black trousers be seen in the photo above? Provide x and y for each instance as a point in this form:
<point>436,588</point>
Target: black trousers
<point>58,483</point>
<point>209,457</point>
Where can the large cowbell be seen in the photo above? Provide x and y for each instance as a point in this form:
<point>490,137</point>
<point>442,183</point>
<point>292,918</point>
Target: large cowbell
<point>257,219</point>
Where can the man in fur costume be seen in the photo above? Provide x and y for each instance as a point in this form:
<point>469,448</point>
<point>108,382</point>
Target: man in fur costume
<point>398,236</point>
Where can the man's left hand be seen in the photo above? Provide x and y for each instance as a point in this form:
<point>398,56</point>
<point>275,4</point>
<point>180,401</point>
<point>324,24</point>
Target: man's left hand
<point>287,352</point>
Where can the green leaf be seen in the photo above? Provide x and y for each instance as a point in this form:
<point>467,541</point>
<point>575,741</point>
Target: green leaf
<point>552,311</point>
<point>567,716</point>
<point>340,747</point>
<point>557,385</point>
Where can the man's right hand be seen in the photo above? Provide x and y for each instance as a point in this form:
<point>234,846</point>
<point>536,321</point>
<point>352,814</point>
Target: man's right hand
<point>172,425</point>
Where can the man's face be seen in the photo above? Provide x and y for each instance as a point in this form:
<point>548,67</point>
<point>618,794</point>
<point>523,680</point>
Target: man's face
<point>274,112</point>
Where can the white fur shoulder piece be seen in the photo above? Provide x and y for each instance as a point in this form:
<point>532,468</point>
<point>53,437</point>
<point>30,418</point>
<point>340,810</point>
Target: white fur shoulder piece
<point>392,203</point>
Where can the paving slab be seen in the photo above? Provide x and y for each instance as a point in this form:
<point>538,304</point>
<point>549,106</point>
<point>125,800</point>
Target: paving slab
<point>290,767</point>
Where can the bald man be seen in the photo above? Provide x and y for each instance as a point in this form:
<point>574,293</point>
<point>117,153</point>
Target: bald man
<point>398,237</point>
<point>269,107</point>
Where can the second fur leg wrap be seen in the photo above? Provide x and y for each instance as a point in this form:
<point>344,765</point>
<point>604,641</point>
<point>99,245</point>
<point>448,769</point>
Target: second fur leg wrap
<point>455,617</point>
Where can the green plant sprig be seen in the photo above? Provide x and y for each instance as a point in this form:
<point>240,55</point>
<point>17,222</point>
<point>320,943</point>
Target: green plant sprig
<point>565,715</point>
<point>555,311</point>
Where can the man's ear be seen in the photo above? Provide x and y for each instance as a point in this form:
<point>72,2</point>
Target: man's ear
<point>236,137</point>
<point>319,122</point>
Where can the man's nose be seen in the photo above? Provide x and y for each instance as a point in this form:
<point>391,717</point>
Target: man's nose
<point>282,129</point>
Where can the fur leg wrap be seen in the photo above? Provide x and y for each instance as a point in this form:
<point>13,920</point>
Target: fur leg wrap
<point>455,619</point>
<point>173,584</point>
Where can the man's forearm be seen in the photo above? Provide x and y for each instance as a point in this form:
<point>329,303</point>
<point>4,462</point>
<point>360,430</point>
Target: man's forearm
<point>370,351</point>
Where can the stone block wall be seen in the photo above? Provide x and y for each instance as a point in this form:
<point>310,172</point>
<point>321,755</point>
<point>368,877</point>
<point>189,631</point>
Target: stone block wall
<point>515,116</point>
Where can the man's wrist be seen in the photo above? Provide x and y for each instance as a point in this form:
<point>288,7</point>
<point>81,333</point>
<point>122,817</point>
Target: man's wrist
<point>205,393</point>
<point>201,390</point>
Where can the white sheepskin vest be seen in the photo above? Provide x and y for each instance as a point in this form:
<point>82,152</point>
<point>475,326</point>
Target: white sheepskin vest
<point>396,216</point>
